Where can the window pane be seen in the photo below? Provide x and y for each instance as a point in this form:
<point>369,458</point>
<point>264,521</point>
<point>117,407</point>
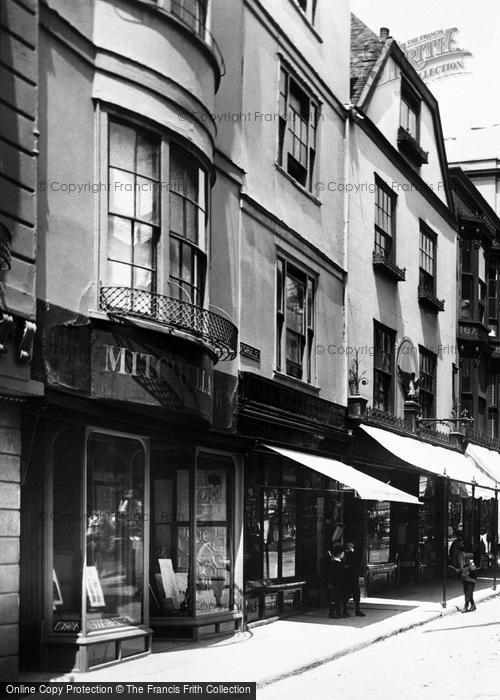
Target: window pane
<point>295,295</point>
<point>121,146</point>
<point>191,211</point>
<point>120,239</point>
<point>289,533</point>
<point>119,275</point>
<point>147,156</point>
<point>143,279</point>
<point>121,192</point>
<point>176,214</point>
<point>143,245</point>
<point>115,498</point>
<point>271,532</point>
<point>174,256</point>
<point>187,264</point>
<point>146,200</point>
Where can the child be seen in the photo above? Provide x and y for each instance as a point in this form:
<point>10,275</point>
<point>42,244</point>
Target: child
<point>468,575</point>
<point>336,583</point>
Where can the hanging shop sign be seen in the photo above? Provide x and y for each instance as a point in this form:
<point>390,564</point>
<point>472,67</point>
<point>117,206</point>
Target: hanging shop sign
<point>126,368</point>
<point>436,55</point>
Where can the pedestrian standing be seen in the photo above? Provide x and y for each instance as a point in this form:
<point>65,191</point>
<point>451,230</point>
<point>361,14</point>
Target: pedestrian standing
<point>352,570</point>
<point>469,576</point>
<point>336,582</point>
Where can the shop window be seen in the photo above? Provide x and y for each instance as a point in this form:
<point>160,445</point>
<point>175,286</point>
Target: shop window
<point>428,382</point>
<point>385,210</point>
<point>171,475</point>
<point>379,530</point>
<point>383,367</point>
<point>214,560</point>
<point>113,575</point>
<point>297,130</point>
<point>294,322</point>
<point>427,261</point>
<point>156,241</point>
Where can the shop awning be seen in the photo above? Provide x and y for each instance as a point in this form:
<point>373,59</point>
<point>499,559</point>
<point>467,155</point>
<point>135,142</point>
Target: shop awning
<point>487,460</point>
<point>431,458</point>
<point>368,488</point>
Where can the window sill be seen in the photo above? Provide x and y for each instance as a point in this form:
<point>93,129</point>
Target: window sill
<point>293,383</point>
<point>306,20</point>
<point>388,268</point>
<point>300,187</point>
<point>411,148</point>
<point>427,298</point>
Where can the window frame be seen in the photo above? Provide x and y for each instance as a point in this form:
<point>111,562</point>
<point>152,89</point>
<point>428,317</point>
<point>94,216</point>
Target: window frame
<point>428,381</point>
<point>424,274</point>
<point>379,331</point>
<point>287,136</point>
<point>385,190</point>
<point>309,11</point>
<point>310,281</point>
<point>104,117</point>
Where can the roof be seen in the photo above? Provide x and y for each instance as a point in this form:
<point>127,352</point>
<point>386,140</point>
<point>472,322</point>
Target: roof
<point>366,48</point>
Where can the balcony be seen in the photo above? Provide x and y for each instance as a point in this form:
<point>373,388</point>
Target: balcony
<point>193,18</point>
<point>426,297</point>
<point>217,332</point>
<point>411,148</point>
<point>388,268</point>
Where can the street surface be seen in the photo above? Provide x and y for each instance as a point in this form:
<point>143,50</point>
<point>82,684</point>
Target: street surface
<point>456,656</point>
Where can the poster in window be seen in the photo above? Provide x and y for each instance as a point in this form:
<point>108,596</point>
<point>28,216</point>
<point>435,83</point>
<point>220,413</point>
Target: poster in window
<point>169,582</point>
<point>211,494</point>
<point>94,588</point>
<point>57,598</point>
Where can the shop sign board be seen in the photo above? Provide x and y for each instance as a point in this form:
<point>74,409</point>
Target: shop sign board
<point>124,368</point>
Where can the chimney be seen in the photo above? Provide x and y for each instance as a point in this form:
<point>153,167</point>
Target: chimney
<point>384,34</point>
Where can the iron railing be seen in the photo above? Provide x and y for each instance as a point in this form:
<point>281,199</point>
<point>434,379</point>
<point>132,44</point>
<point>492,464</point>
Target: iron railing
<point>381,418</point>
<point>216,331</point>
<point>195,21</point>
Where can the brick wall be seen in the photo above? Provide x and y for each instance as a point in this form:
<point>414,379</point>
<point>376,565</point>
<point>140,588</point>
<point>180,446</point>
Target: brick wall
<point>10,449</point>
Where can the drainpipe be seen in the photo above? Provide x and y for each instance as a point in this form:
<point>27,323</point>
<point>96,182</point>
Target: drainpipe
<point>445,539</point>
<point>345,262</point>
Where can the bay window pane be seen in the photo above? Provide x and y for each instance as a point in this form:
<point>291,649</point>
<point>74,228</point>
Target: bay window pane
<point>119,275</point>
<point>147,156</point>
<point>121,146</point>
<point>143,245</point>
<point>143,280</point>
<point>120,239</point>
<point>191,222</point>
<point>146,200</point>
<point>176,214</point>
<point>121,192</point>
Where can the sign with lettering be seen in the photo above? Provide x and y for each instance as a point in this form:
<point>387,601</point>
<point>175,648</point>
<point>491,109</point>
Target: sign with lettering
<point>436,55</point>
<point>124,368</point>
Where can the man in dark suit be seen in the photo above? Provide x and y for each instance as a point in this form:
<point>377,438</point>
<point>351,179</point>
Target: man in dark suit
<point>352,570</point>
<point>336,578</point>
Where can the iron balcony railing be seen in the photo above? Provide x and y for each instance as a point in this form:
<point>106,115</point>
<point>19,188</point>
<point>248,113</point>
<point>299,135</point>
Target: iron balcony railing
<point>217,332</point>
<point>193,15</point>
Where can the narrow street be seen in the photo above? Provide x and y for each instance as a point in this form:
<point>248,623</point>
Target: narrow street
<point>457,656</point>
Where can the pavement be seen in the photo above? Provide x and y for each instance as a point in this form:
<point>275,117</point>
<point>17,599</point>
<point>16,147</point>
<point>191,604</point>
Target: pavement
<point>270,652</point>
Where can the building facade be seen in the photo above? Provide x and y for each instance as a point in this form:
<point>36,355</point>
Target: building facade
<point>18,218</point>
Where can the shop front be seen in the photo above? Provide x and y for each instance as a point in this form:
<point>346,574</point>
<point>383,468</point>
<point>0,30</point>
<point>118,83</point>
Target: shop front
<point>131,503</point>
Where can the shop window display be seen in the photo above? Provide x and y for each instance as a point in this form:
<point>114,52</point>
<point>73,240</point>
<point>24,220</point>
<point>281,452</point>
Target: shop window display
<point>213,534</point>
<point>113,572</point>
<point>427,542</point>
<point>379,523</point>
<point>170,528</point>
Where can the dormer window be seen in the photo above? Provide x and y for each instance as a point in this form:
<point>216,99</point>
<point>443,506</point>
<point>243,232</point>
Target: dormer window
<point>410,111</point>
<point>409,125</point>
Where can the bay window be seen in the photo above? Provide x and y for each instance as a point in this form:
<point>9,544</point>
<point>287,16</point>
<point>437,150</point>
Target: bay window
<point>156,231</point>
